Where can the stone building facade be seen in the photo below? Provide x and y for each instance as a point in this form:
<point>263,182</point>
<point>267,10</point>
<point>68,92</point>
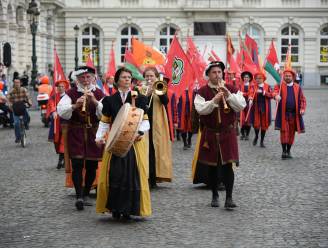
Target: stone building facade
<point>102,23</point>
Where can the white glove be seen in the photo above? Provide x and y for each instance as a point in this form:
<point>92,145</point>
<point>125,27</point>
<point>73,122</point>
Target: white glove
<point>250,102</point>
<point>259,91</point>
<point>263,92</point>
<point>278,98</point>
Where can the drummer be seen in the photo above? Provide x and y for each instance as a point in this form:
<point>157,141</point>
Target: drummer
<point>160,146</point>
<point>125,191</point>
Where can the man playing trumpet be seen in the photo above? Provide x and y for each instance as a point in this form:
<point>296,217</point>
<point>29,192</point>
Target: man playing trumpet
<point>82,108</point>
<point>217,104</point>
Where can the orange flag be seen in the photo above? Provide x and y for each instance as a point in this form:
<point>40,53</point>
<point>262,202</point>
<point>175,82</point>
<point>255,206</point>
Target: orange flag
<point>146,55</point>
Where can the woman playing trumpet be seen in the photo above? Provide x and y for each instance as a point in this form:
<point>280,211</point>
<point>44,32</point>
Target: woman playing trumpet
<point>160,151</point>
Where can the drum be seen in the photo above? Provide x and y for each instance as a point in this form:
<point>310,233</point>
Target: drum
<point>124,130</point>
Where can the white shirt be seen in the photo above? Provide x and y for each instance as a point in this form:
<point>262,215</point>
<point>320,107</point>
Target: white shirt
<point>65,109</point>
<point>236,102</point>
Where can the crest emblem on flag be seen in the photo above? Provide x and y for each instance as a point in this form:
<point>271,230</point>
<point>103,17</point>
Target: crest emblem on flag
<point>177,70</point>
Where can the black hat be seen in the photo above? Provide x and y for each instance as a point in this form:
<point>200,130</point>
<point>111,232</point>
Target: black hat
<point>214,64</point>
<point>244,73</point>
<point>84,69</point>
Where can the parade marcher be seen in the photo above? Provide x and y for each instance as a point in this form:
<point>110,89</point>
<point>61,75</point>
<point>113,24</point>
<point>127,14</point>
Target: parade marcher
<point>123,181</point>
<point>108,85</point>
<point>18,98</point>
<point>291,107</point>
<point>217,104</point>
<point>245,125</point>
<point>55,130</point>
<point>82,108</point>
<point>44,87</point>
<point>260,95</point>
<point>184,118</point>
<point>160,146</point>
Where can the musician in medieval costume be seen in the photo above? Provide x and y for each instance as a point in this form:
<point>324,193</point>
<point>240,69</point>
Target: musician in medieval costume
<point>217,104</point>
<point>291,107</point>
<point>108,85</point>
<point>82,108</point>
<point>260,95</point>
<point>55,130</point>
<point>184,118</point>
<point>160,146</point>
<point>123,181</point>
<point>245,124</point>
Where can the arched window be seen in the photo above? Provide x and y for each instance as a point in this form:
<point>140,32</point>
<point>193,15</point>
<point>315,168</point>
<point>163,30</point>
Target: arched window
<point>166,36</point>
<point>20,16</point>
<point>126,35</point>
<point>290,35</point>
<point>324,44</point>
<point>255,33</point>
<point>91,45</point>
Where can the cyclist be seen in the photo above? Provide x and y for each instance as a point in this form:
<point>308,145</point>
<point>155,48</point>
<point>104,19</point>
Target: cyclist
<point>18,97</point>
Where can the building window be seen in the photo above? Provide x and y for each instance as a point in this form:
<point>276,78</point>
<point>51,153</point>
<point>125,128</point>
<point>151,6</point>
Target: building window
<point>91,45</point>
<point>255,33</point>
<point>324,44</point>
<point>166,36</point>
<point>126,38</point>
<point>209,28</point>
<point>290,35</point>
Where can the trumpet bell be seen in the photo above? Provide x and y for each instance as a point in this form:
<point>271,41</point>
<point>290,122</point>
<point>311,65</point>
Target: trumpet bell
<point>160,88</point>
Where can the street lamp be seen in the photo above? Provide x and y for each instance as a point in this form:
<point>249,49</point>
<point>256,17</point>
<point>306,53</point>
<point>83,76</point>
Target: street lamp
<point>33,17</point>
<point>76,29</point>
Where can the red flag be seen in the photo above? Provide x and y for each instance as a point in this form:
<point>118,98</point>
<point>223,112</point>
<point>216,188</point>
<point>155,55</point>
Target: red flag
<point>58,69</point>
<point>90,62</point>
<point>215,55</point>
<point>111,68</point>
<point>178,69</point>
<point>196,60</point>
<point>252,48</point>
<point>230,48</point>
<point>128,57</point>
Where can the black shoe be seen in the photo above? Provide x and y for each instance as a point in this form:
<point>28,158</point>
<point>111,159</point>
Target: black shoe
<point>246,138</point>
<point>242,137</point>
<point>215,201</point>
<point>116,215</point>
<point>126,217</point>
<point>79,204</point>
<point>221,187</point>
<point>185,147</point>
<point>284,155</point>
<point>11,126</point>
<point>254,141</point>
<point>27,127</point>
<point>189,145</point>
<point>229,204</point>
<point>288,155</point>
<point>262,145</point>
<point>17,140</point>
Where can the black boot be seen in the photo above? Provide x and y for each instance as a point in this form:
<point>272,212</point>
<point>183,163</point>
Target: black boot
<point>248,129</point>
<point>289,156</point>
<point>189,139</point>
<point>215,199</point>
<point>256,137</point>
<point>79,204</point>
<point>262,139</point>
<point>284,151</point>
<point>229,203</point>
<point>242,132</point>
<point>116,215</point>
<point>60,163</point>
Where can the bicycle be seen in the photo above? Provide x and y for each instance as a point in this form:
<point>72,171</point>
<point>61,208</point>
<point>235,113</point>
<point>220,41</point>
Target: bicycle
<point>22,131</point>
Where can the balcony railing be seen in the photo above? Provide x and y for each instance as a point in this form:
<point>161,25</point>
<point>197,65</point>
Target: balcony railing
<point>208,4</point>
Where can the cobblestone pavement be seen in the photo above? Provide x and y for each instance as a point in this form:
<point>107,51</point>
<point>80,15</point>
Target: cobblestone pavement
<point>281,203</point>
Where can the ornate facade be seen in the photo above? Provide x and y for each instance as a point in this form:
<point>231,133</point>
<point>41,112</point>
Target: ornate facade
<point>102,23</point>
